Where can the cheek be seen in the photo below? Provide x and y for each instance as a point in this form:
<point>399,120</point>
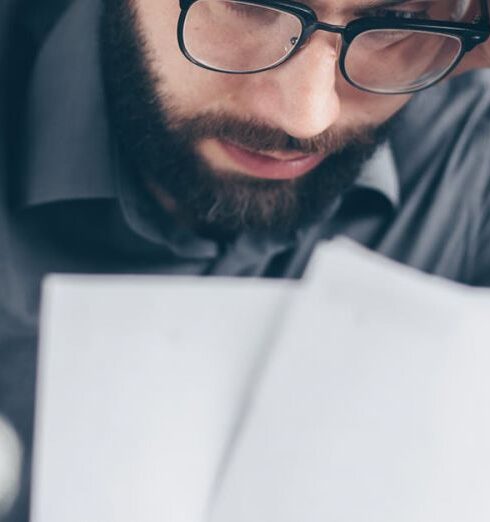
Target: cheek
<point>362,108</point>
<point>190,88</point>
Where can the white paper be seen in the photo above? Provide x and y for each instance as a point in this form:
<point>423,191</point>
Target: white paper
<point>375,405</point>
<point>361,394</point>
<point>141,385</point>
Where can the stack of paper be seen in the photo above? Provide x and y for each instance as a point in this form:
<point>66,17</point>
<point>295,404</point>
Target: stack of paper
<point>360,394</point>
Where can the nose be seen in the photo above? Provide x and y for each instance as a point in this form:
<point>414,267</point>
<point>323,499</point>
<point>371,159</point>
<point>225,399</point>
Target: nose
<point>300,97</point>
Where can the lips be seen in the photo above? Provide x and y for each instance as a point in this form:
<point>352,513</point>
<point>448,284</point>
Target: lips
<point>275,166</point>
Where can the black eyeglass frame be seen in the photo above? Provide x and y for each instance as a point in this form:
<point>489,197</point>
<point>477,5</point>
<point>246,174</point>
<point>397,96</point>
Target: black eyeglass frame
<point>470,34</point>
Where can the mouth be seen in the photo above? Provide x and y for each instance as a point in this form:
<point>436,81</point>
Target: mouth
<point>271,165</point>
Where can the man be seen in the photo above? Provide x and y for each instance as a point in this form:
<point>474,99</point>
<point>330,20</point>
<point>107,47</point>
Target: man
<point>219,137</point>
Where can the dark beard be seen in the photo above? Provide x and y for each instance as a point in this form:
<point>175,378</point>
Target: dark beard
<point>159,146</point>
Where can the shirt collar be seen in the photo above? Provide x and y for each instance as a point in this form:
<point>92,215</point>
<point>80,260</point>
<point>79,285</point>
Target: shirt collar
<point>67,144</point>
<point>380,174</point>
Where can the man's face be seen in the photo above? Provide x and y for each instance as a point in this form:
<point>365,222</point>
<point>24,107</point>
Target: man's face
<point>226,152</point>
<point>303,97</point>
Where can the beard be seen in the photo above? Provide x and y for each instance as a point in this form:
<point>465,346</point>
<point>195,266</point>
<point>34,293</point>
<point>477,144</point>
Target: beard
<point>160,147</point>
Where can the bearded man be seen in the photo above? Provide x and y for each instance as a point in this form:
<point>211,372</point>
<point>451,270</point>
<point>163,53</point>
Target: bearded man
<point>228,137</point>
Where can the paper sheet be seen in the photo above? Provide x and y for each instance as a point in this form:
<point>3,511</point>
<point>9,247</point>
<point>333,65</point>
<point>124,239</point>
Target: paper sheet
<point>375,405</point>
<point>141,383</point>
<point>359,394</point>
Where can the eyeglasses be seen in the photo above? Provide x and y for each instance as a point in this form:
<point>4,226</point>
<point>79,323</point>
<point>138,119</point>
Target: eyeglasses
<point>392,52</point>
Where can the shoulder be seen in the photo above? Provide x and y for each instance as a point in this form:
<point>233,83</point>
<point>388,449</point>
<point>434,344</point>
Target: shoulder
<point>26,22</point>
<point>441,147</point>
<point>444,133</point>
<point>452,110</point>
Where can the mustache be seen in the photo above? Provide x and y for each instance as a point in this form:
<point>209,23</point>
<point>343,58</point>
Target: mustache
<point>258,137</point>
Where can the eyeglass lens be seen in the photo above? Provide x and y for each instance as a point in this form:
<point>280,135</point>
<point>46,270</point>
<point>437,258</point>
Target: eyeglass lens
<point>235,36</point>
<point>239,37</point>
<point>391,61</point>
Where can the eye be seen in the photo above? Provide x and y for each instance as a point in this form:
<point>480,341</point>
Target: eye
<point>412,11</point>
<point>250,11</point>
<point>378,40</point>
<point>402,15</point>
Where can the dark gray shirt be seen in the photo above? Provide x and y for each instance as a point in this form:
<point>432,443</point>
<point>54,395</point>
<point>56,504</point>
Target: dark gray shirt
<point>66,204</point>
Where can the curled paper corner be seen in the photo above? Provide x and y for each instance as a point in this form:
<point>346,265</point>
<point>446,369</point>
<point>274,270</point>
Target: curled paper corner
<point>10,466</point>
